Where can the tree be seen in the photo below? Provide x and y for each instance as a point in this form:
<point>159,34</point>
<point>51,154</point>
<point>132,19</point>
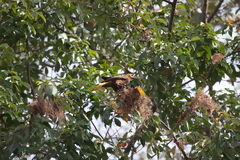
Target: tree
<point>53,53</point>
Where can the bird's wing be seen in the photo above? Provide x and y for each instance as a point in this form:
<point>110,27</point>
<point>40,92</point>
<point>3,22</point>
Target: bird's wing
<point>113,79</point>
<point>105,78</point>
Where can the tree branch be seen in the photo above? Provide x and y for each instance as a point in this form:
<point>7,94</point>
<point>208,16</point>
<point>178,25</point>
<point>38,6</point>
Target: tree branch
<point>176,141</point>
<point>133,140</point>
<point>44,64</point>
<point>33,50</point>
<point>171,19</point>
<point>204,11</point>
<point>215,11</point>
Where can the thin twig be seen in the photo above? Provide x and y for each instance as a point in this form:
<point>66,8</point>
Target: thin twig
<point>84,113</point>
<point>28,70</point>
<point>167,1</point>
<point>232,53</point>
<point>107,133</point>
<point>171,19</point>
<point>215,10</point>
<point>29,78</point>
<point>204,11</point>
<point>73,19</point>
<point>192,79</point>
<point>164,124</point>
<point>96,129</point>
<point>115,51</point>
<point>212,66</point>
<point>44,64</point>
<point>61,29</point>
<point>120,43</point>
<point>132,155</point>
<point>187,82</point>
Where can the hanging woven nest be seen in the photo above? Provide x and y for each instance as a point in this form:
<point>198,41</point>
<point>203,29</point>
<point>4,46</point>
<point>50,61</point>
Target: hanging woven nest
<point>201,100</point>
<point>134,97</point>
<point>46,106</point>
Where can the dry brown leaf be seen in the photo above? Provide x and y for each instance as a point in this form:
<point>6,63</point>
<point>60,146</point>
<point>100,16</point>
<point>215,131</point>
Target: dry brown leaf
<point>123,144</point>
<point>167,71</point>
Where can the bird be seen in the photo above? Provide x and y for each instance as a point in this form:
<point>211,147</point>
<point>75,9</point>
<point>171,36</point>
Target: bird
<point>116,83</point>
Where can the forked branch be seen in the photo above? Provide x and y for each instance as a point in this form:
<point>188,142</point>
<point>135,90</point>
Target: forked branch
<point>215,11</point>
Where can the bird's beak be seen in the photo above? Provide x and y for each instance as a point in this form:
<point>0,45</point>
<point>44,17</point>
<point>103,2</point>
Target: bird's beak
<point>134,78</point>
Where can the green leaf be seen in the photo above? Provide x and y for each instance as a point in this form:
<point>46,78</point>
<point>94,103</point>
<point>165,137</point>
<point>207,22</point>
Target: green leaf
<point>41,15</point>
<point>51,90</point>
<point>61,17</point>
<point>92,53</point>
<point>195,38</point>
<point>199,54</point>
<point>161,21</point>
<point>81,41</point>
<point>33,30</point>
<point>24,3</point>
<point>26,85</point>
<point>117,122</point>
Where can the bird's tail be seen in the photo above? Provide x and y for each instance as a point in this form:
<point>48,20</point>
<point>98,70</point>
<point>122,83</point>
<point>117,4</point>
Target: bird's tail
<point>100,86</point>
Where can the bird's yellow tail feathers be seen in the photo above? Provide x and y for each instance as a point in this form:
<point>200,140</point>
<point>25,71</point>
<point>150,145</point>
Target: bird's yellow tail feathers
<point>100,86</point>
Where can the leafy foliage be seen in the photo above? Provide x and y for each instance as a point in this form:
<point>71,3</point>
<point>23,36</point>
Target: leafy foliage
<point>62,48</point>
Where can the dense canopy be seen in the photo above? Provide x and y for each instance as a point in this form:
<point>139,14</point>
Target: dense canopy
<point>184,54</point>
